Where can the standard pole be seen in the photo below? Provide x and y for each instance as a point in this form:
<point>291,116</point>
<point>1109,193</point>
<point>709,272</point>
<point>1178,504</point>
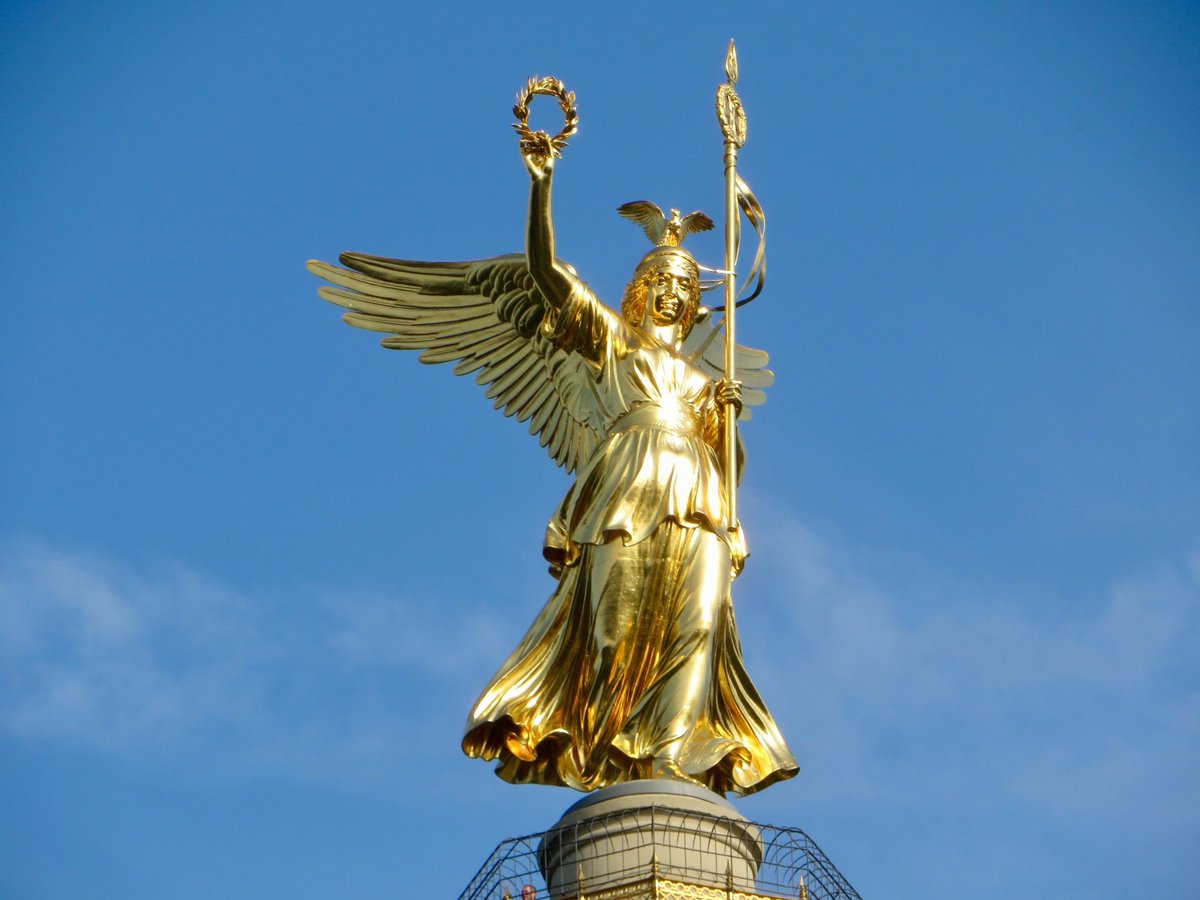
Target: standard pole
<point>731,248</point>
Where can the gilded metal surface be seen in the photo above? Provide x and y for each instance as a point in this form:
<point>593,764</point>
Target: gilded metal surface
<point>734,138</point>
<point>729,104</point>
<point>633,669</point>
<point>539,142</point>
<point>664,232</point>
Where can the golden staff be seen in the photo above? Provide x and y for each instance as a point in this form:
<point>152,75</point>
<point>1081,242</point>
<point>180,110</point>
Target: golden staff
<point>733,125</point>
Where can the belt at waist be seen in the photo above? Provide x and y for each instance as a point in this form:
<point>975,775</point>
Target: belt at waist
<point>665,415</point>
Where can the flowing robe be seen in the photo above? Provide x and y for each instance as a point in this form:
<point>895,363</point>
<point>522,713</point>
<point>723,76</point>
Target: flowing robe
<point>635,659</point>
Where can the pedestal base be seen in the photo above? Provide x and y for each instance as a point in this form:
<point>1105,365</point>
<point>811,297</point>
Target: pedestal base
<point>646,830</point>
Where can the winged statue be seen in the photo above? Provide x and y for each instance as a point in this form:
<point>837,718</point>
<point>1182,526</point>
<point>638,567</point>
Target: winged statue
<point>633,668</point>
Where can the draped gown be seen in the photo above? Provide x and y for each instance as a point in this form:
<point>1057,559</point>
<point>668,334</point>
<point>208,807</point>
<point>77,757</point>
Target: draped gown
<point>635,659</point>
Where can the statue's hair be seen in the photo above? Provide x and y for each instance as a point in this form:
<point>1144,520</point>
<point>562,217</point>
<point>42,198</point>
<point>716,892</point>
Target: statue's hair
<point>633,304</point>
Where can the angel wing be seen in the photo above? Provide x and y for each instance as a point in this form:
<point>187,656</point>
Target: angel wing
<point>481,315</point>
<point>705,346</point>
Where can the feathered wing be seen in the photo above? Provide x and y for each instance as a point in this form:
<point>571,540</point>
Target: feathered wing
<point>647,215</point>
<point>695,222</point>
<point>705,346</point>
<point>483,316</point>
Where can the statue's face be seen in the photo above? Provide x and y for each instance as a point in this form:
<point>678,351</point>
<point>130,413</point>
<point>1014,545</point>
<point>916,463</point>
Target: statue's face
<point>669,291</point>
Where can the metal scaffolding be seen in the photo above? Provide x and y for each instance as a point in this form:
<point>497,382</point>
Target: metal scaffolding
<point>790,865</point>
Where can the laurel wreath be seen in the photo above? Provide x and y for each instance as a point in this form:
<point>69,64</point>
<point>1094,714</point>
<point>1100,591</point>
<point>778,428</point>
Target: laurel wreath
<point>731,114</point>
<point>540,143</point>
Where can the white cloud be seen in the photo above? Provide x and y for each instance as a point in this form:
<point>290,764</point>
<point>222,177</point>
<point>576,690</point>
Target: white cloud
<point>913,691</point>
<point>922,688</point>
<point>168,661</point>
<point>419,632</point>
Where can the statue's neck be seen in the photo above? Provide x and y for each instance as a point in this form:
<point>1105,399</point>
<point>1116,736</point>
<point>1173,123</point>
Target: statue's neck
<point>664,334</point>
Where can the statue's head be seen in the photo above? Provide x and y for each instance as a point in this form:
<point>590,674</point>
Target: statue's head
<point>675,278</point>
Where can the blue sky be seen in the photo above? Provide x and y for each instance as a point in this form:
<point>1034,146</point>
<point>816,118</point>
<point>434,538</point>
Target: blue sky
<point>254,569</point>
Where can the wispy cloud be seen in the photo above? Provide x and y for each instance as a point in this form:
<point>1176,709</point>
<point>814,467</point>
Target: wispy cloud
<point>95,651</point>
<point>168,660</point>
<point>903,690</point>
<point>921,687</point>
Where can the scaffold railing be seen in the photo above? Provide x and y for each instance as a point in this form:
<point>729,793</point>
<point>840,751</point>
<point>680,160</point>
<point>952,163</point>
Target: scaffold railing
<point>791,865</point>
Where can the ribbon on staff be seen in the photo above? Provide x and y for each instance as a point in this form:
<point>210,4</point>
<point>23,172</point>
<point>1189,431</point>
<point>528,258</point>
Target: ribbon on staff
<point>752,210</point>
<point>757,276</point>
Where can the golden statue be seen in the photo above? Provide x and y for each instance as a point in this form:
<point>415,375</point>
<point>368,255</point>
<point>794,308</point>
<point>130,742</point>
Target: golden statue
<point>633,669</point>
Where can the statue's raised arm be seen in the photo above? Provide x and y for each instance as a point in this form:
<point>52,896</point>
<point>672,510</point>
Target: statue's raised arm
<point>553,279</point>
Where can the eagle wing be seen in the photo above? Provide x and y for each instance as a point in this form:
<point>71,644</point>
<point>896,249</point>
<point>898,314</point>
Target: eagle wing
<point>648,215</point>
<point>705,346</point>
<point>695,222</point>
<point>483,316</point>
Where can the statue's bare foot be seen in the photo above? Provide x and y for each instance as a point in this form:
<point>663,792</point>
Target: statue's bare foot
<point>517,742</point>
<point>669,769</point>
